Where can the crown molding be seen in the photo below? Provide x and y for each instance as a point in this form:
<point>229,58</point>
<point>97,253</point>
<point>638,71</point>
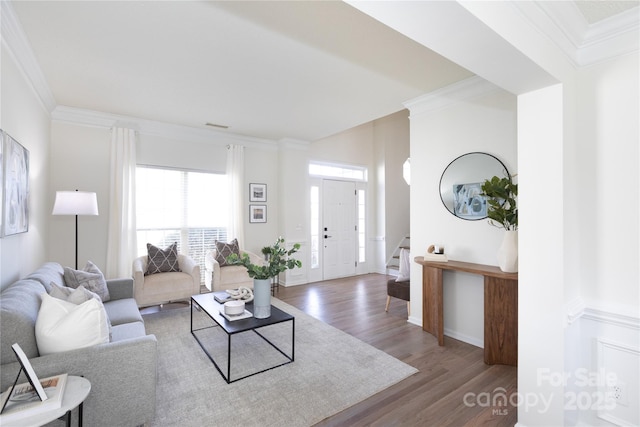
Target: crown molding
<point>294,144</point>
<point>584,44</point>
<point>463,90</point>
<point>14,38</point>
<point>84,117</point>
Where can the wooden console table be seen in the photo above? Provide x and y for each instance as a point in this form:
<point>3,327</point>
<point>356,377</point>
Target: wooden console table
<point>500,307</point>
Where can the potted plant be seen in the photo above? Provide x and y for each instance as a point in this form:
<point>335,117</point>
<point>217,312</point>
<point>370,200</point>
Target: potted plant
<point>502,210</point>
<point>279,261</point>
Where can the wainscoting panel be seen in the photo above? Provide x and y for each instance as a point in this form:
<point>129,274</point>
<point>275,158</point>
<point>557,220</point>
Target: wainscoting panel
<point>619,366</point>
<point>605,377</point>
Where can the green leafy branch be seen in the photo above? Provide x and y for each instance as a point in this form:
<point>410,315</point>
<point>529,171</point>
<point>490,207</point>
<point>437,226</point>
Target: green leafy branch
<point>502,208</point>
<point>279,261</point>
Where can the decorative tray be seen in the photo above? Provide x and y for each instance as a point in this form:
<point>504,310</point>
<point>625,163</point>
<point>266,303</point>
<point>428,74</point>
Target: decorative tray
<point>244,315</point>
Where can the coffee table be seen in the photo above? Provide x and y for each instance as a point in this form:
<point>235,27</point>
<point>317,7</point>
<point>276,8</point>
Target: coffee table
<point>208,305</point>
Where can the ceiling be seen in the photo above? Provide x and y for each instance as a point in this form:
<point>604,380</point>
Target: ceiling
<point>301,70</point>
<point>269,69</point>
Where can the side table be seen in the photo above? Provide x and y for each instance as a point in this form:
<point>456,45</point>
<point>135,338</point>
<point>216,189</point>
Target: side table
<point>500,307</point>
<point>76,391</point>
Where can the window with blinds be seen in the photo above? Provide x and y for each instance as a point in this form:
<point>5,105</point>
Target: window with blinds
<point>183,206</point>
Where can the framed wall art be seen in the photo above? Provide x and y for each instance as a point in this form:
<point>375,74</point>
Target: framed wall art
<point>257,213</point>
<point>469,202</point>
<point>15,187</point>
<point>257,192</point>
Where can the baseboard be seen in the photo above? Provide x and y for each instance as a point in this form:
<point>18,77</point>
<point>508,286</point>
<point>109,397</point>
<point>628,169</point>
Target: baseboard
<point>415,320</point>
<point>464,338</point>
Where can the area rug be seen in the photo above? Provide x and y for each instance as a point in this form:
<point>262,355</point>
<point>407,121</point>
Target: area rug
<point>331,372</point>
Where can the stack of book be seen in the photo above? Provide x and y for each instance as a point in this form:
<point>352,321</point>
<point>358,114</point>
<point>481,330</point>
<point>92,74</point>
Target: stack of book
<point>222,296</point>
<point>23,401</point>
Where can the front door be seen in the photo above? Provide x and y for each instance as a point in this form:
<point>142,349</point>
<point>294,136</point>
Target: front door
<point>339,229</point>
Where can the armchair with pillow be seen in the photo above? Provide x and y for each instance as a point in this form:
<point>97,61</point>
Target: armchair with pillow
<point>164,276</point>
<point>219,276</point>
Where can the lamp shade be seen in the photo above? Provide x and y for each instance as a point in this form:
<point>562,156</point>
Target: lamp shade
<point>75,203</point>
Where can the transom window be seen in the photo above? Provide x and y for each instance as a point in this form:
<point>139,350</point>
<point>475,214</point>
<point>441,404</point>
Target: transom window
<point>356,173</point>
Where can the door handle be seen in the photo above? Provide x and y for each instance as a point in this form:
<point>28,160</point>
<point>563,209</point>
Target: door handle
<point>326,236</point>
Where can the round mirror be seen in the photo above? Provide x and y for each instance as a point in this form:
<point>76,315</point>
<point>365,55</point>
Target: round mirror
<point>461,182</point>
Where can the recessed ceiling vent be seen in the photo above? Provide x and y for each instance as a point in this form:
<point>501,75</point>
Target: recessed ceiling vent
<point>214,125</point>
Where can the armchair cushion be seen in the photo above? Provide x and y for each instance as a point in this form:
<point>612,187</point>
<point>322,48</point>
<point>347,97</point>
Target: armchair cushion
<point>223,250</point>
<point>162,260</point>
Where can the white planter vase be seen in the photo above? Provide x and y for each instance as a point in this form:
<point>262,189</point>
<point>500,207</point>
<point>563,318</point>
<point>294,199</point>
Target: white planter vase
<point>261,298</point>
<point>508,252</point>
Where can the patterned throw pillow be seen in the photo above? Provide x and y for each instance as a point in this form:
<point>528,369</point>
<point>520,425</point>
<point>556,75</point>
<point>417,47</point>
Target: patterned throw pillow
<point>223,250</point>
<point>90,277</point>
<point>162,260</point>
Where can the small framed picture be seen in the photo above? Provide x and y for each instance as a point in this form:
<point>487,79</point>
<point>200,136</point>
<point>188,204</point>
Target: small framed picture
<point>257,192</point>
<point>257,213</point>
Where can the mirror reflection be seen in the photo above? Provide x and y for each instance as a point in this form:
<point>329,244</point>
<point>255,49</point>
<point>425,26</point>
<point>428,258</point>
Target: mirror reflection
<point>461,181</point>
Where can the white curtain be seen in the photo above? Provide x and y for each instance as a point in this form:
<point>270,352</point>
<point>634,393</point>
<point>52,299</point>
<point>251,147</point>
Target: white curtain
<point>235,175</point>
<point>121,241</point>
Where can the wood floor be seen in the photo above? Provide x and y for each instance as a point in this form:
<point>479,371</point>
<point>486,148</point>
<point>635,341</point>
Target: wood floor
<point>453,388</point>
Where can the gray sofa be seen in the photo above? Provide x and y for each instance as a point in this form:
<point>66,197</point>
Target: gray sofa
<point>122,372</point>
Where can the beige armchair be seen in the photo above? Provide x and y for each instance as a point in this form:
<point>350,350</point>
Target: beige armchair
<point>218,278</point>
<point>160,288</point>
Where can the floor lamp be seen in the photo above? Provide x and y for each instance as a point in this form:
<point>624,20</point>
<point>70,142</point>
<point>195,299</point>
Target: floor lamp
<point>75,203</point>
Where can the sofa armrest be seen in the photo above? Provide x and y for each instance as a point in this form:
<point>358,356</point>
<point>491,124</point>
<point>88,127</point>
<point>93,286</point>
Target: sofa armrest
<point>120,288</point>
<point>122,374</point>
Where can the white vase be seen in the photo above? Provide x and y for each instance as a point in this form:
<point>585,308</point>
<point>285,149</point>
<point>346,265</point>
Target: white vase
<point>508,252</point>
<point>261,298</point>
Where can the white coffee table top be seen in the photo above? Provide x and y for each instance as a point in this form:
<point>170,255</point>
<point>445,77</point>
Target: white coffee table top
<point>76,391</point>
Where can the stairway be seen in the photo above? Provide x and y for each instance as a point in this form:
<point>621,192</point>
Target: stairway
<point>393,263</point>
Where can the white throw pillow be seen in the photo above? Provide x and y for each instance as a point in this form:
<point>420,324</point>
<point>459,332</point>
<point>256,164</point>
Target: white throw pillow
<point>405,268</point>
<point>63,326</point>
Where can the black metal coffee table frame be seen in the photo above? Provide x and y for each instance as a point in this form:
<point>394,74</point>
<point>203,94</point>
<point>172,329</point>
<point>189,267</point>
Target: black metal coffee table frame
<point>211,308</point>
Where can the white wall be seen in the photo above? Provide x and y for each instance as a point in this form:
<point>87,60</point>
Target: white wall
<point>79,161</point>
<point>608,111</point>
<point>294,205</point>
<point>24,117</point>
<point>392,135</point>
<point>608,108</point>
<point>181,153</point>
<point>485,123</point>
<point>541,309</point>
<point>261,166</point>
